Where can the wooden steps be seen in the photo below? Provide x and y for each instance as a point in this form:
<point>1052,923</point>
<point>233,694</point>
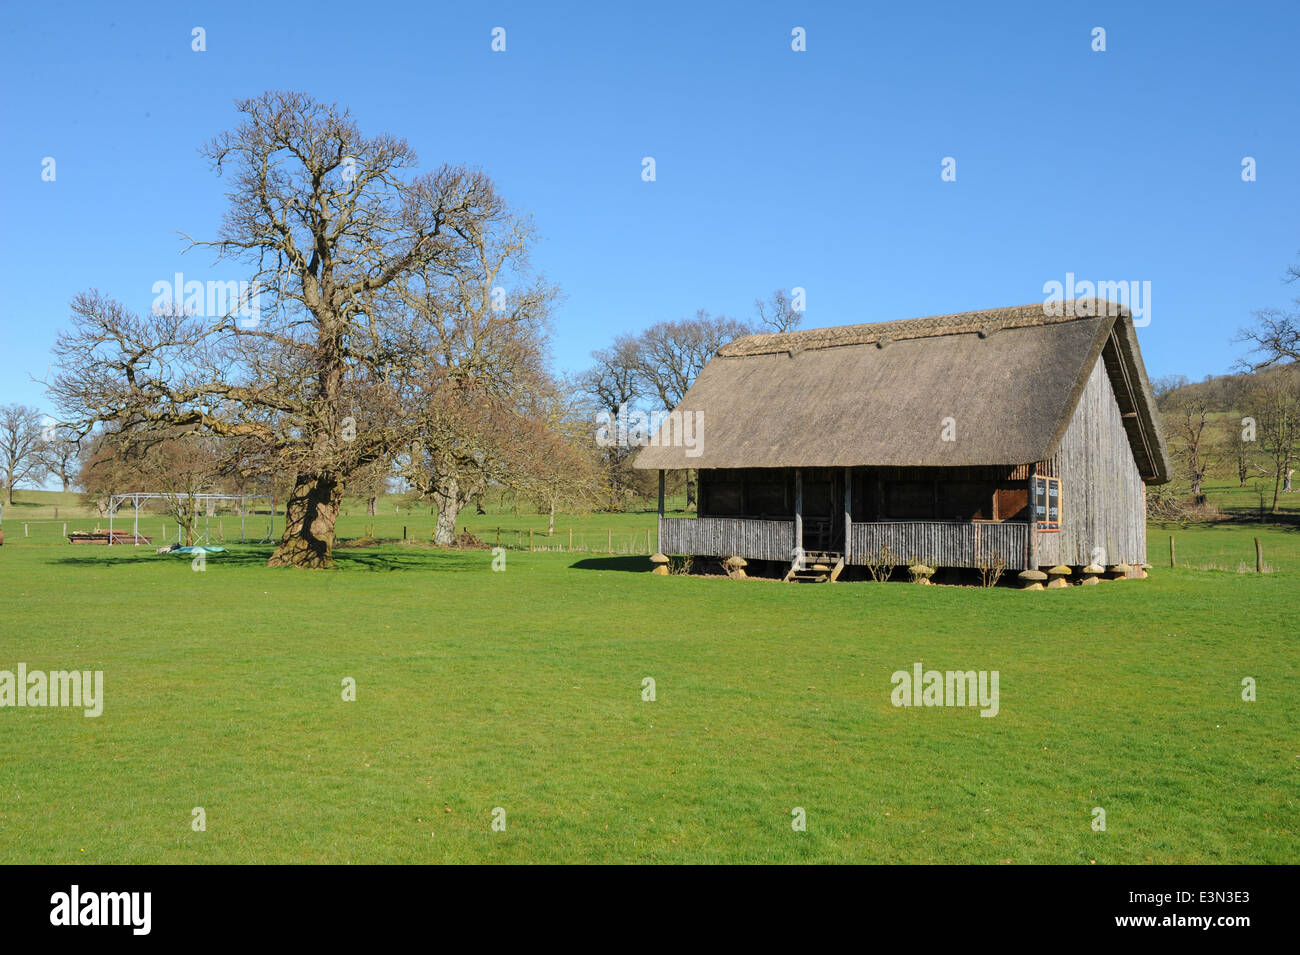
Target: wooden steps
<point>817,567</point>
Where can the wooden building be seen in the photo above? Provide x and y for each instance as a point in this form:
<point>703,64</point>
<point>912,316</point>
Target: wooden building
<point>1009,433</point>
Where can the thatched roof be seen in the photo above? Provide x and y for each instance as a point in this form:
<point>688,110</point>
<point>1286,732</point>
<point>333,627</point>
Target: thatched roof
<point>875,395</point>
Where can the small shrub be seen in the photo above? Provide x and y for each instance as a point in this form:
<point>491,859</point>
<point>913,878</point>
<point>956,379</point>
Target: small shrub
<point>991,568</point>
<point>880,564</point>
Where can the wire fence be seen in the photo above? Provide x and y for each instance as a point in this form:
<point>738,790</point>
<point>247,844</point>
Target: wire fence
<point>569,540</point>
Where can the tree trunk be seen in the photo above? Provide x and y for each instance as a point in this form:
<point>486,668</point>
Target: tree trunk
<point>447,498</point>
<point>309,517</point>
<point>372,505</point>
<point>550,528</point>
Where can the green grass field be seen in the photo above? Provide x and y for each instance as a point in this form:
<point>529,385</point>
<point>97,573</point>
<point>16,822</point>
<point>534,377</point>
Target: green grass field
<point>522,690</point>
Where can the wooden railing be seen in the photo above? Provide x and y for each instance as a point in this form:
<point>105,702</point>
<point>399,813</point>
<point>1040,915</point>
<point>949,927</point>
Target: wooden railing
<point>727,537</point>
<point>942,543</point>
<point>939,543</point>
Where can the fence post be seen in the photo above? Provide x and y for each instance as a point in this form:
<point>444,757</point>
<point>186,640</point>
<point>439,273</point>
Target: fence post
<point>530,540</point>
<point>498,537</point>
<point>609,541</point>
<point>1172,561</point>
<point>570,539</point>
<point>1259,557</point>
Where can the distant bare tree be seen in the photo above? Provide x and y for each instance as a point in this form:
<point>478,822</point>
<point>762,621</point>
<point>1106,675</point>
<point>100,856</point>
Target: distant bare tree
<point>612,385</point>
<point>778,312</point>
<point>1191,415</point>
<point>1166,385</point>
<point>61,454</point>
<point>1275,336</point>
<point>179,465</point>
<point>612,381</point>
<point>22,446</point>
<point>1275,401</point>
<point>1236,445</point>
<point>673,354</point>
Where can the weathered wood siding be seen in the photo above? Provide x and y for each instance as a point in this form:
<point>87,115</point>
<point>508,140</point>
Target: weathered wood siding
<point>727,537</point>
<point>942,544</point>
<point>1103,515</point>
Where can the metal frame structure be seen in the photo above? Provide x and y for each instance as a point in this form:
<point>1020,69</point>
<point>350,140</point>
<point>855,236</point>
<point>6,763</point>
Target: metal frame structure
<point>139,496</point>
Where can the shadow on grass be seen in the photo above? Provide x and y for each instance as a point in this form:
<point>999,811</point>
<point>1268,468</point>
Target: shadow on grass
<point>640,564</point>
<point>1273,522</point>
<point>345,558</point>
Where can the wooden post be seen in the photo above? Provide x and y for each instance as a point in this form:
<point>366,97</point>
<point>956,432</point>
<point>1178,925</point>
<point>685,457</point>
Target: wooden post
<point>1173,561</point>
<point>609,541</point>
<point>848,512</point>
<point>519,538</point>
<point>798,509</point>
<point>404,533</point>
<point>1259,557</point>
<point>530,540</point>
<point>570,539</point>
<point>661,493</point>
<point>498,537</point>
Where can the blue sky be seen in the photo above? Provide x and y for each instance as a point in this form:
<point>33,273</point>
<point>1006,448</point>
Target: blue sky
<point>818,169</point>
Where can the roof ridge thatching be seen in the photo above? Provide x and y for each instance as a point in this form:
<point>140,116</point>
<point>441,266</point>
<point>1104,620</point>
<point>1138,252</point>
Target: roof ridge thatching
<point>984,322</point>
<point>1014,375</point>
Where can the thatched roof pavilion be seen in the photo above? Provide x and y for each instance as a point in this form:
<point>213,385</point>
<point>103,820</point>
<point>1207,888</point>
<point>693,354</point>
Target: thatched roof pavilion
<point>974,405</point>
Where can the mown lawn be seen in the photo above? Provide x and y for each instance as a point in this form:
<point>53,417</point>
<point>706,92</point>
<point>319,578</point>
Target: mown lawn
<point>522,690</point>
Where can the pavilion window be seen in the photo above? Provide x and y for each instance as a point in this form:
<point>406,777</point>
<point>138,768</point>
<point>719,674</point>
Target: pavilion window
<point>1047,504</point>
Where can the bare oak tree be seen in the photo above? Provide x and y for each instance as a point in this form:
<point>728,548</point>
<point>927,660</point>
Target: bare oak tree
<point>327,221</point>
<point>484,328</point>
